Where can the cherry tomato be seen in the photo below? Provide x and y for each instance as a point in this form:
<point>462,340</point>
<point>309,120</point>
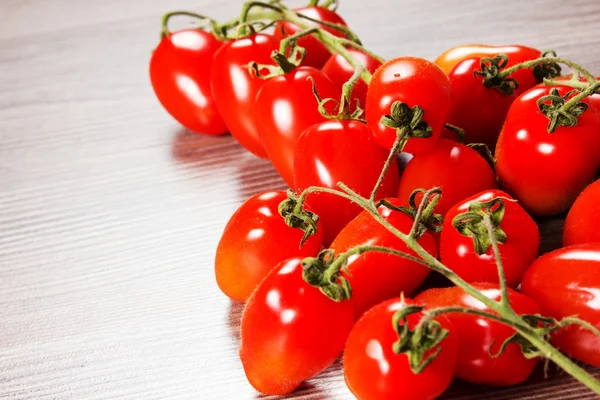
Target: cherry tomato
<point>374,372</point>
<point>180,74</point>
<point>254,241</point>
<point>290,330</point>
<point>581,225</point>
<point>458,169</point>
<point>564,283</point>
<point>285,107</point>
<point>234,87</point>
<point>478,336</point>
<point>413,81</point>
<point>546,171</point>
<point>517,252</point>
<point>340,151</point>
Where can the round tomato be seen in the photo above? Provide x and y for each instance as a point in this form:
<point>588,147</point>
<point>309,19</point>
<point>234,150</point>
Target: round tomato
<point>564,283</point>
<point>479,336</point>
<point>256,239</point>
<point>290,330</point>
<point>180,73</point>
<point>581,225</point>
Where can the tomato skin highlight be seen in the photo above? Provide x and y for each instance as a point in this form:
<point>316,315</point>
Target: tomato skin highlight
<point>583,220</point>
<point>290,331</point>
<point>566,282</point>
<point>254,241</point>
<point>180,74</point>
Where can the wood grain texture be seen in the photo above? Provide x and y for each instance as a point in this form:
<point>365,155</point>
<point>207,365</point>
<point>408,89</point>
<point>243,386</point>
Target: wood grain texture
<point>110,212</point>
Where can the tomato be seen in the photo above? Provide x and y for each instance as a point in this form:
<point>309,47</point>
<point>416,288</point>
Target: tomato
<point>340,151</point>
<point>546,171</point>
<point>290,330</point>
<point>413,81</point>
<point>478,336</point>
<point>376,276</point>
<point>564,283</point>
<point>374,372</point>
<point>234,87</point>
<point>285,107</point>
<point>458,169</point>
<point>517,252</point>
<point>254,241</point>
<point>180,74</point>
<point>581,225</point>
<point>316,52</point>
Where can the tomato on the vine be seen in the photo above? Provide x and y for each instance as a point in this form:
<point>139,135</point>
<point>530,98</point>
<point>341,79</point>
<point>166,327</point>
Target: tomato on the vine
<point>583,220</point>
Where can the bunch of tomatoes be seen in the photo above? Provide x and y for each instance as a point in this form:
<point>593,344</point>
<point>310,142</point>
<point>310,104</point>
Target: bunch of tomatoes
<point>443,169</point>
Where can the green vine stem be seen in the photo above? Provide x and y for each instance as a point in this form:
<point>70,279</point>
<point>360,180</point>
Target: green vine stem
<point>164,31</point>
<point>530,64</point>
<point>489,226</point>
<point>590,90</point>
<point>391,156</point>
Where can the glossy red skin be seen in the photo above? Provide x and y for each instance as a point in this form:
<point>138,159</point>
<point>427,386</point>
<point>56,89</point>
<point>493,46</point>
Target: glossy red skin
<point>477,335</point>
<point>375,277</point>
<point>459,170</point>
<point>413,81</point>
<point>316,53</point>
<point>286,107</point>
<point>564,283</point>
<point>340,151</point>
<point>254,241</point>
<point>180,74</point>
<point>374,372</point>
<point>517,253</point>
<point>234,87</point>
<point>290,331</point>
<point>544,171</point>
<point>583,220</point>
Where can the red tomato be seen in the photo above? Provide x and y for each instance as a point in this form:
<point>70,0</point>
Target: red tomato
<point>546,171</point>
<point>413,81</point>
<point>254,241</point>
<point>290,330</point>
<point>458,169</point>
<point>316,52</point>
<point>581,225</point>
<point>340,151</point>
<point>564,283</point>
<point>517,252</point>
<point>180,74</point>
<point>375,276</point>
<point>374,372</point>
<point>285,107</point>
<point>234,87</point>
<point>477,336</point>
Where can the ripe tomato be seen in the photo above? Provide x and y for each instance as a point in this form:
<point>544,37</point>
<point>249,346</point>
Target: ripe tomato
<point>458,169</point>
<point>254,241</point>
<point>373,276</point>
<point>478,336</point>
<point>180,74</point>
<point>234,87</point>
<point>517,252</point>
<point>581,225</point>
<point>413,81</point>
<point>285,107</point>
<point>374,372</point>
<point>340,151</point>
<point>564,283</point>
<point>290,330</point>
<point>546,171</point>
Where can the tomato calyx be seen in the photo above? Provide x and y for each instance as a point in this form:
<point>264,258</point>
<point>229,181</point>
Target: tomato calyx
<point>547,70</point>
<point>557,111</point>
<point>472,223</point>
<point>323,272</point>
<point>490,71</point>
<point>408,122</point>
<point>296,216</point>
<point>342,106</point>
<point>423,215</point>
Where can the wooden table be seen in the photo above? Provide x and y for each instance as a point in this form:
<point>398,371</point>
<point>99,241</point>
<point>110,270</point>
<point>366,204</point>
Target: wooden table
<point>110,212</point>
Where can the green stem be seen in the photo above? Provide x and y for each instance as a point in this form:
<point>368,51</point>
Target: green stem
<point>166,17</point>
<point>425,209</point>
<point>489,226</point>
<point>350,43</point>
<point>402,132</point>
<point>576,99</point>
<point>530,64</point>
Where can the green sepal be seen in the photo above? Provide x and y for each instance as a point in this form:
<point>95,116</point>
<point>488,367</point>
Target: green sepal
<point>301,219</point>
<point>472,224</point>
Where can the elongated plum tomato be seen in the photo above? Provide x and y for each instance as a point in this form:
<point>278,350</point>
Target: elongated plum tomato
<point>290,330</point>
<point>374,372</point>
<point>583,220</point>
<point>517,252</point>
<point>564,283</point>
<point>180,73</point>
<point>546,171</point>
<point>234,86</point>
<point>340,151</point>
<point>413,81</point>
<point>254,241</point>
<point>478,337</point>
<point>458,169</point>
<point>374,276</point>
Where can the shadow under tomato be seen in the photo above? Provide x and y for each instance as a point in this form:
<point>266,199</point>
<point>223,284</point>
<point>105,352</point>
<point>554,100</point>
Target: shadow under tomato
<point>234,317</point>
<point>255,174</point>
<point>205,151</point>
